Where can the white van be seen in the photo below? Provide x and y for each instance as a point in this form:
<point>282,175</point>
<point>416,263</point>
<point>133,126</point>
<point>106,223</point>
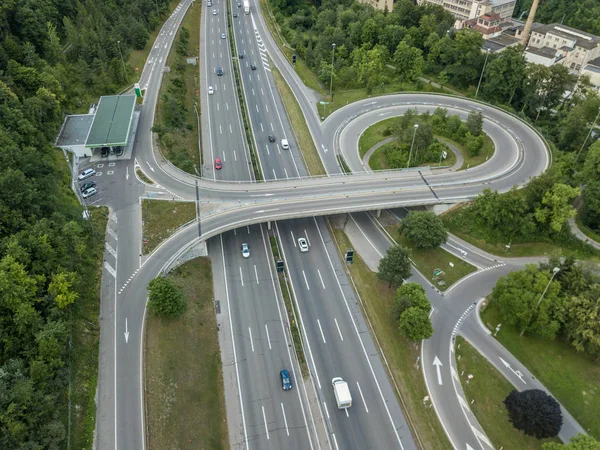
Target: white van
<point>285,144</point>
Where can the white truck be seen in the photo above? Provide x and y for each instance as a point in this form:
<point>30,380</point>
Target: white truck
<point>342,393</point>
<point>246,7</point>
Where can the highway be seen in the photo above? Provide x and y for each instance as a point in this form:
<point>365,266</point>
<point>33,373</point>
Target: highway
<point>230,202</point>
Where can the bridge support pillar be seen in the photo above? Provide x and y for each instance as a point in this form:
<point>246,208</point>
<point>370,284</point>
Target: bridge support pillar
<point>378,213</point>
<point>269,225</point>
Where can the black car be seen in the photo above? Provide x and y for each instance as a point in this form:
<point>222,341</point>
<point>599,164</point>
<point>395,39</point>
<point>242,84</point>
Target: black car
<point>219,71</point>
<point>104,152</point>
<point>241,56</point>
<point>86,186</point>
<point>119,151</point>
<point>253,66</point>
<point>271,138</point>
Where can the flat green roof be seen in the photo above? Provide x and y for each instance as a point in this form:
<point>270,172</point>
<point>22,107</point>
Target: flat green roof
<point>112,121</point>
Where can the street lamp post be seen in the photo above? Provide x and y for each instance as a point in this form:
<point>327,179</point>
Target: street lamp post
<point>331,81</point>
<point>588,135</point>
<point>487,53</point>
<point>411,144</point>
<point>122,61</point>
<point>554,272</point>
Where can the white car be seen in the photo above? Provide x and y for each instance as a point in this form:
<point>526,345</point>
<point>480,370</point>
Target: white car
<point>303,245</point>
<point>223,36</point>
<point>245,250</point>
<point>211,91</point>
<point>86,174</point>
<point>285,144</point>
<point>89,192</point>
<point>214,12</point>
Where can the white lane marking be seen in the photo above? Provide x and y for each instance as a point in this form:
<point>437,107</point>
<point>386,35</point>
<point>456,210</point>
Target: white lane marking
<point>285,420</point>
<point>253,91</point>
<point>224,159</point>
<point>262,92</point>
<point>321,329</point>
<point>267,107</point>
<point>274,176</point>
<point>293,239</point>
<point>268,338</point>
<point>241,279</point>
<point>235,232</point>
<point>365,236</point>
<point>362,396</point>
<point>307,239</point>
<point>322,284</point>
<point>326,410</point>
<point>234,155</point>
<point>261,127</point>
<point>278,149</point>
<point>286,174</point>
<point>248,228</point>
<point>335,440</point>
<point>218,109</point>
<point>227,106</point>
<point>230,129</point>
<point>305,280</point>
<point>252,51</point>
<point>272,129</point>
<point>267,147</point>
<point>338,328</point>
<point>224,87</point>
<point>220,129</point>
<point>256,274</point>
<point>251,341</point>
<point>265,419</point>
<point>250,77</point>
<point>258,77</point>
<point>256,108</point>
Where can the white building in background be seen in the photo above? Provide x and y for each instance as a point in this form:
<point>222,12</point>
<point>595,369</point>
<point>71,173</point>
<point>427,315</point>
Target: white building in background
<point>592,70</point>
<point>380,4</point>
<point>471,9</point>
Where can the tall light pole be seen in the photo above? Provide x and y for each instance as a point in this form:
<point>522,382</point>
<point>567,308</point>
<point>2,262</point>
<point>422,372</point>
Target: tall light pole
<point>122,61</point>
<point>411,144</point>
<point>487,53</point>
<point>331,82</point>
<point>588,135</point>
<point>554,272</point>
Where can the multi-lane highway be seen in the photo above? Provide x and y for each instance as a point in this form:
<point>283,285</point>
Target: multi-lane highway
<point>336,337</point>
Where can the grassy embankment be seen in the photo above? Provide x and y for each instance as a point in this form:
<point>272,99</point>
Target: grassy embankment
<point>487,390</point>
<point>401,355</point>
<point>160,220</point>
<point>572,377</point>
<point>184,380</point>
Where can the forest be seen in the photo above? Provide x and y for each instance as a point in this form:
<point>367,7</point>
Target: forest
<point>56,56</point>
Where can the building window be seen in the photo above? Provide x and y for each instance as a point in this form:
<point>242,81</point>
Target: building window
<point>572,65</point>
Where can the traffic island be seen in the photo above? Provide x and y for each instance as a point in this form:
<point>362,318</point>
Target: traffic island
<point>161,219</point>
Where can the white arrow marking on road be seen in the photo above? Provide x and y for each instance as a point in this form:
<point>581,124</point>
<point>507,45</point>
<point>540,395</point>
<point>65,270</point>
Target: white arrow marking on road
<point>469,447</point>
<point>516,372</point>
<point>126,332</point>
<point>151,168</point>
<point>127,174</point>
<point>437,363</point>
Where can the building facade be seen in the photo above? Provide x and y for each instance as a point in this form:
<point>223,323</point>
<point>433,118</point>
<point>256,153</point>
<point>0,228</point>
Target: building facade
<point>380,4</point>
<point>464,10</point>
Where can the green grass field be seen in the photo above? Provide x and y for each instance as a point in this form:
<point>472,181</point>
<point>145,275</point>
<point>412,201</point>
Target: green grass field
<point>487,389</point>
<point>571,376</point>
<point>160,220</point>
<point>184,382</point>
<point>374,134</point>
<point>401,354</point>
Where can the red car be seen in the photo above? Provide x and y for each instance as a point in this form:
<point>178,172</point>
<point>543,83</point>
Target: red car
<point>218,164</point>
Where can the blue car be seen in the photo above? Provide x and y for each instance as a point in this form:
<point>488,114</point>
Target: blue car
<point>286,382</point>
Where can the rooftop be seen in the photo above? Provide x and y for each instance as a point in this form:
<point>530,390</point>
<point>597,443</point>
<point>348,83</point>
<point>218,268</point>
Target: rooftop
<point>546,52</point>
<point>594,62</point>
<point>582,39</point>
<point>74,130</point>
<point>111,121</point>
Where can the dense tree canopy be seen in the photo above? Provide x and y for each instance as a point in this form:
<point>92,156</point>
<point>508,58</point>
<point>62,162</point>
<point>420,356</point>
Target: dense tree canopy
<point>165,298</point>
<point>425,229</point>
<point>579,442</point>
<point>407,296</point>
<point>395,266</point>
<point>534,412</point>
<point>581,14</point>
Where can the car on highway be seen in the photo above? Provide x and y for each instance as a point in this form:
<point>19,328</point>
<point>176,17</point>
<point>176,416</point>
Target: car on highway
<point>272,138</point>
<point>239,4</point>
<point>285,144</point>
<point>211,91</point>
<point>245,250</point>
<point>209,4</point>
<point>86,186</point>
<point>222,35</point>
<point>89,192</point>
<point>286,381</point>
<point>219,71</point>
<point>218,164</point>
<point>86,174</point>
<point>241,56</point>
<point>214,12</point>
<point>104,152</point>
<point>303,244</point>
<point>235,15</point>
<point>253,66</point>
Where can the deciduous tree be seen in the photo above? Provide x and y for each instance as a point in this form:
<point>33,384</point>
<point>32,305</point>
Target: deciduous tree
<point>407,296</point>
<point>425,229</point>
<point>579,442</point>
<point>556,206</point>
<point>165,298</point>
<point>415,324</point>
<point>395,266</point>
<point>534,412</point>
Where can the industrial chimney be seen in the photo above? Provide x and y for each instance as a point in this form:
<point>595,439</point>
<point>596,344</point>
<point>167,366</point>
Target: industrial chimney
<point>529,23</point>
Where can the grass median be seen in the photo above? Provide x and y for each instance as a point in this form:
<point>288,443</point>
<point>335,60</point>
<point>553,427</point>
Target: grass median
<point>305,141</point>
<point>487,389</point>
<point>184,381</point>
<point>401,355</point>
<point>572,377</point>
<point>160,219</point>
<point>428,260</point>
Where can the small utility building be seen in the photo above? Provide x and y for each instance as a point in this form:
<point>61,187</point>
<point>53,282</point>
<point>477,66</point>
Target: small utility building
<point>108,128</point>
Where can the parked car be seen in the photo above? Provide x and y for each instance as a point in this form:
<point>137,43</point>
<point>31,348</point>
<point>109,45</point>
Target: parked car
<point>89,192</point>
<point>286,381</point>
<point>219,71</point>
<point>285,144</point>
<point>86,186</point>
<point>303,244</point>
<point>272,138</point>
<point>253,66</point>
<point>211,91</point>
<point>218,164</point>
<point>104,152</point>
<point>118,150</point>
<point>86,174</point>
<point>245,250</point>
